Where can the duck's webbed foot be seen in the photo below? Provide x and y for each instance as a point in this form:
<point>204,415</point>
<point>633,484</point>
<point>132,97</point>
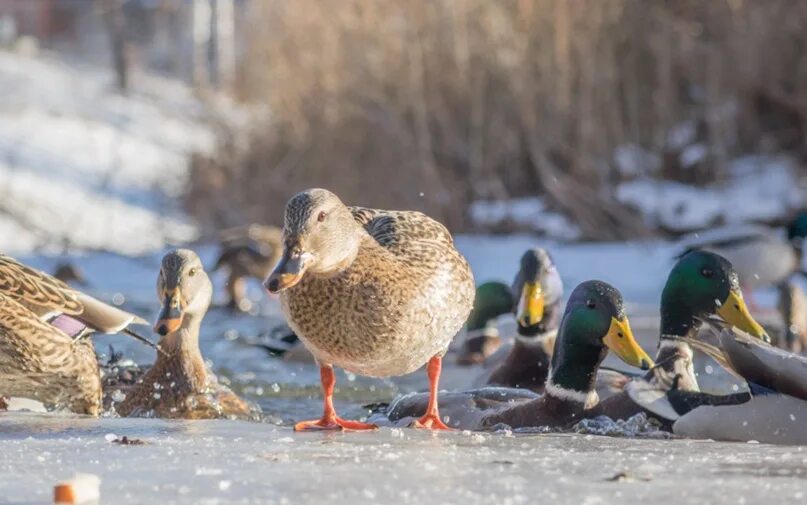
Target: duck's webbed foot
<point>329,420</point>
<point>431,420</point>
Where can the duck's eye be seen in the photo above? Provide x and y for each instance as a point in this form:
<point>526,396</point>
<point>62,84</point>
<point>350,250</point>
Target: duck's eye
<point>321,216</point>
<point>191,272</point>
<point>707,272</point>
<point>590,304</point>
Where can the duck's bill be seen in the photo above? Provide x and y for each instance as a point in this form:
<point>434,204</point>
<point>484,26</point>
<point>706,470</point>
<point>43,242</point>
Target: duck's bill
<point>531,304</point>
<point>735,312</point>
<point>171,314</point>
<point>619,339</point>
<point>288,272</point>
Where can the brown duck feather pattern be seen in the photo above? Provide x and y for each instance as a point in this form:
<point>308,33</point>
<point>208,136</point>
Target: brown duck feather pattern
<point>400,302</point>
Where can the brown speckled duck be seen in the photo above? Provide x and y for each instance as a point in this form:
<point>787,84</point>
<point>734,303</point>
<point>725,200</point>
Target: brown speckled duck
<point>376,292</point>
<point>178,385</point>
<point>247,252</point>
<point>44,352</point>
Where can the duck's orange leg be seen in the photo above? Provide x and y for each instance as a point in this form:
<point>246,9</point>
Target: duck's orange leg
<point>330,421</point>
<point>431,420</point>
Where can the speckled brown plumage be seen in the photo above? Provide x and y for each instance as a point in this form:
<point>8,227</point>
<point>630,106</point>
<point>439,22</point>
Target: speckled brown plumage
<point>393,295</point>
<point>178,385</point>
<point>246,252</point>
<point>39,360</point>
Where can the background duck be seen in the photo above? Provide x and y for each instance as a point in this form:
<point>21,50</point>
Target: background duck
<point>773,412</point>
<point>760,256</point>
<point>247,252</point>
<point>535,297</point>
<point>700,285</point>
<point>179,385</point>
<point>594,322</point>
<point>376,292</point>
<point>44,352</point>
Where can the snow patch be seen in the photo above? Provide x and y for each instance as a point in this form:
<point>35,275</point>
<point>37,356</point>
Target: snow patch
<point>525,213</point>
<point>761,188</point>
<point>84,166</point>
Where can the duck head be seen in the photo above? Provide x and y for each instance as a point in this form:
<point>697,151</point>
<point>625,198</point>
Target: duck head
<point>703,284</point>
<point>594,322</point>
<point>184,289</point>
<point>320,237</point>
<point>539,289</point>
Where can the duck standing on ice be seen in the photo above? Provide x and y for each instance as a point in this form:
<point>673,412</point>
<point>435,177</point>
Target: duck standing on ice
<point>375,292</point>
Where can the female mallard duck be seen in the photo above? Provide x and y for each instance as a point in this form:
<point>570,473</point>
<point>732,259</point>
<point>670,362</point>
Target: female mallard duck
<point>760,257</point>
<point>594,322</point>
<point>773,412</point>
<point>376,292</point>
<point>248,252</point>
<point>538,307</point>
<point>43,352</point>
<point>178,385</point>
<point>700,285</point>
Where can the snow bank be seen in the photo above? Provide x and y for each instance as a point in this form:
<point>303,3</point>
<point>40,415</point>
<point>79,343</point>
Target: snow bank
<point>84,166</point>
<point>525,214</point>
<point>760,188</point>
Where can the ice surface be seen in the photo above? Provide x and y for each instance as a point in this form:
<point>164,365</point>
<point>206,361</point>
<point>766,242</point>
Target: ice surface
<point>223,462</point>
<point>227,462</point>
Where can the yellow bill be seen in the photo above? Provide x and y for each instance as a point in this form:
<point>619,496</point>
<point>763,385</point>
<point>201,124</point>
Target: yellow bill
<point>735,312</point>
<point>619,339</point>
<point>531,305</point>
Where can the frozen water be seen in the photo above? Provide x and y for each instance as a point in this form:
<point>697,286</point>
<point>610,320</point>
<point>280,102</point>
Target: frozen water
<point>229,462</point>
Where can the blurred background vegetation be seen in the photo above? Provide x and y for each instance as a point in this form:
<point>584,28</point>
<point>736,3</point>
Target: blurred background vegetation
<point>435,104</point>
<point>439,105</point>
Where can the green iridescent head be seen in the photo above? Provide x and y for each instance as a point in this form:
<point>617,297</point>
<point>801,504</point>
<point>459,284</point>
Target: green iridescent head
<point>703,284</point>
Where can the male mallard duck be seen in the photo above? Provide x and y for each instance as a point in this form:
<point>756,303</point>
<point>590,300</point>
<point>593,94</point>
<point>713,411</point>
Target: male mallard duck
<point>482,340</point>
<point>178,384</point>
<point>247,252</point>
<point>594,322</point>
<point>376,292</point>
<point>700,285</point>
<point>759,255</point>
<point>538,309</point>
<point>44,354</point>
<point>773,412</point>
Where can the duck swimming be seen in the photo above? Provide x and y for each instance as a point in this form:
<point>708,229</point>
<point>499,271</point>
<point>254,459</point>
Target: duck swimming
<point>375,292</point>
<point>535,297</point>
<point>178,385</point>
<point>759,255</point>
<point>247,252</point>
<point>700,285</point>
<point>594,321</point>
<point>45,354</point>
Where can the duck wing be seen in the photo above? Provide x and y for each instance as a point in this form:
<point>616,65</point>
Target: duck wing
<point>22,333</point>
<point>725,237</point>
<point>45,296</point>
<point>402,231</point>
<point>762,364</point>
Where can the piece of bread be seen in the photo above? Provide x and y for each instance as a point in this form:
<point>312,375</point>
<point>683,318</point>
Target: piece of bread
<point>82,489</point>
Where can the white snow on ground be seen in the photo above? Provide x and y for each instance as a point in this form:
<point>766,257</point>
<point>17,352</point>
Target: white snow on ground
<point>759,188</point>
<point>526,214</point>
<point>83,165</point>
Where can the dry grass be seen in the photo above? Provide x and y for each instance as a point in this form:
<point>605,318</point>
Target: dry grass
<point>433,104</point>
